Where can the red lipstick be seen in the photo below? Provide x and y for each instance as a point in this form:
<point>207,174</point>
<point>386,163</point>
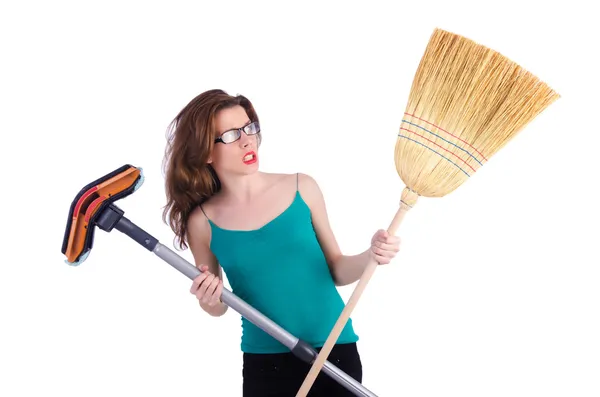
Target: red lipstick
<point>249,158</point>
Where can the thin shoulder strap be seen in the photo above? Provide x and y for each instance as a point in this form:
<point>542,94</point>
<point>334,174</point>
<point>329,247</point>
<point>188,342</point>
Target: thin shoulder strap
<point>202,209</point>
<point>297,181</point>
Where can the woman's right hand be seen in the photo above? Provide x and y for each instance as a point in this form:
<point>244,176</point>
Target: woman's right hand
<point>207,288</point>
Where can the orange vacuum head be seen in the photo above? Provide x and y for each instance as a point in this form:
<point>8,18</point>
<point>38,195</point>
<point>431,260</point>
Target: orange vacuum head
<point>88,206</point>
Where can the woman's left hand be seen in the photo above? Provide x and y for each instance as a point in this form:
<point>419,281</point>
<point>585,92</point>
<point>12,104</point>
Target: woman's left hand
<point>384,247</point>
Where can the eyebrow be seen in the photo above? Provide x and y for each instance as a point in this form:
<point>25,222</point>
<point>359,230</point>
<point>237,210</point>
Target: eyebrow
<point>235,128</point>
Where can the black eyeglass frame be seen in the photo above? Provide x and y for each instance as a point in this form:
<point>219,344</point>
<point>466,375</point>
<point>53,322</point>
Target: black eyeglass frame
<point>243,129</point>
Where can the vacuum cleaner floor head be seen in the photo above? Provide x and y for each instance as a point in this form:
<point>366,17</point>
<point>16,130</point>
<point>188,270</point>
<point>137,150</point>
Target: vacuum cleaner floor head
<point>89,204</point>
<point>94,207</point>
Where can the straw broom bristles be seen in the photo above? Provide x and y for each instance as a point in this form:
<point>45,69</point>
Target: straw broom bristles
<point>466,103</point>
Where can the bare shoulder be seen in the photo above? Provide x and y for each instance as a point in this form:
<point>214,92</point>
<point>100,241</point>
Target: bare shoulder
<point>309,190</point>
<point>306,180</point>
<point>210,210</point>
<point>279,182</point>
<point>198,229</point>
<point>199,238</point>
<point>276,178</point>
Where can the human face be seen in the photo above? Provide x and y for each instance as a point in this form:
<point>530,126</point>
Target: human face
<point>238,157</point>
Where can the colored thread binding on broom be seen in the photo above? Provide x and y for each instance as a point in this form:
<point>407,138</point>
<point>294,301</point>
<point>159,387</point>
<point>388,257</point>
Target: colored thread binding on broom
<point>440,130</point>
<point>409,197</point>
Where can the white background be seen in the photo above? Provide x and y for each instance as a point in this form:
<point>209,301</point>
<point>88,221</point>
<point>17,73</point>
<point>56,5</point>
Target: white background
<point>494,293</point>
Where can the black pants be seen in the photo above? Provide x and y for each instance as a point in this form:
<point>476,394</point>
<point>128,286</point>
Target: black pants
<point>282,374</point>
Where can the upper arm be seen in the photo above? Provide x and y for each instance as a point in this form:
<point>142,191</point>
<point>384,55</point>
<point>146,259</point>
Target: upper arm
<point>312,195</point>
<point>198,238</point>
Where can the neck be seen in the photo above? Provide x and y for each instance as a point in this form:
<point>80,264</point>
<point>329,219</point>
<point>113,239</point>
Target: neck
<point>241,189</point>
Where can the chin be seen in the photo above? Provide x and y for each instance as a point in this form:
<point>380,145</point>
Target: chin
<point>250,168</point>
<point>243,169</point>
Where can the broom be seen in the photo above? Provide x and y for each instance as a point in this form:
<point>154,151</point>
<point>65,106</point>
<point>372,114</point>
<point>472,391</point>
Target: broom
<point>465,104</point>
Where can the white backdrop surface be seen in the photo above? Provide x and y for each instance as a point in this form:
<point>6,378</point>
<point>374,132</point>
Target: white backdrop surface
<point>494,293</point>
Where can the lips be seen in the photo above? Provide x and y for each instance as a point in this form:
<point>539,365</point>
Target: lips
<point>249,158</point>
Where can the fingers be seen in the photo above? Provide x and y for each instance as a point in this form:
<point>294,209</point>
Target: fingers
<point>384,237</point>
<point>380,235</point>
<point>382,260</point>
<point>216,296</point>
<point>197,282</point>
<point>209,293</point>
<point>207,287</point>
<point>391,243</point>
<point>386,249</point>
<point>203,288</point>
<point>384,246</point>
<point>199,279</point>
<point>383,256</point>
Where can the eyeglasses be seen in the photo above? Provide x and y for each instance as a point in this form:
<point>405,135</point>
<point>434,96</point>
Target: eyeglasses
<point>233,135</point>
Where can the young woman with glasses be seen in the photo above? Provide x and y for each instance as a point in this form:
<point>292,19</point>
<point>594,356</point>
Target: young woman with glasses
<point>271,236</point>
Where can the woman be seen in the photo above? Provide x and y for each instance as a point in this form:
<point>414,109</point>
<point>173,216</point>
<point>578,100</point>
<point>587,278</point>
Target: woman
<point>270,234</point>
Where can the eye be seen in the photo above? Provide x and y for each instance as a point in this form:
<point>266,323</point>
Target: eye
<point>230,136</point>
<point>251,129</point>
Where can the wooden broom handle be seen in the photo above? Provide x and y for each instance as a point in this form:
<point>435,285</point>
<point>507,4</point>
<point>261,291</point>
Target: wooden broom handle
<point>341,322</point>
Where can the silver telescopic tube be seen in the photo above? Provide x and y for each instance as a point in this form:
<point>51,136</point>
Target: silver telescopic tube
<point>259,319</point>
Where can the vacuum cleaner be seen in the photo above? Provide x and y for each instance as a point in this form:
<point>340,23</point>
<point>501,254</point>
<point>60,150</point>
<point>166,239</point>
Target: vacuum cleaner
<point>94,206</point>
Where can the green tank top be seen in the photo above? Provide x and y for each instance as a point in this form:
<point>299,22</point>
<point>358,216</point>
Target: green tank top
<point>281,271</point>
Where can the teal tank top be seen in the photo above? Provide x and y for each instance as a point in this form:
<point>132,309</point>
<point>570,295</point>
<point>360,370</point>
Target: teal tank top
<point>281,271</point>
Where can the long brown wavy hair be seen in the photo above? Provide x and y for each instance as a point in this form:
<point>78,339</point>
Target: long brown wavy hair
<point>189,179</point>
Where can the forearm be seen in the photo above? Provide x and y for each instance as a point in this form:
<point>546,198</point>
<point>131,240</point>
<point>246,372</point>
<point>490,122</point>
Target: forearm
<point>348,268</point>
